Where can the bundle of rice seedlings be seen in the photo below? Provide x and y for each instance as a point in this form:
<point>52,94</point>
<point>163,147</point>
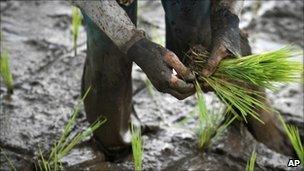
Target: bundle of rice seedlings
<point>67,142</point>
<point>137,148</point>
<point>210,124</point>
<point>76,22</point>
<point>251,162</point>
<point>234,79</point>
<point>5,72</point>
<point>295,139</point>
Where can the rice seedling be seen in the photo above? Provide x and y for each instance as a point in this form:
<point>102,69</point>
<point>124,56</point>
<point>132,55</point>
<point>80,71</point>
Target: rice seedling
<point>149,87</point>
<point>5,72</point>
<point>295,139</point>
<point>234,79</point>
<point>137,148</point>
<point>209,123</point>
<point>251,162</point>
<point>66,143</point>
<point>76,23</point>
<point>11,165</point>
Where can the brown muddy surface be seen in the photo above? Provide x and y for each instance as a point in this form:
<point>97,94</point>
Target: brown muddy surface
<point>47,77</point>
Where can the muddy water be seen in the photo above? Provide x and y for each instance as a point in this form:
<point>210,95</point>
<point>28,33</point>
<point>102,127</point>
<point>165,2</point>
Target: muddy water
<point>47,83</point>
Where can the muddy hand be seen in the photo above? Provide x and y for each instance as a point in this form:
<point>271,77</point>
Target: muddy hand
<point>225,33</point>
<point>157,62</point>
<point>218,53</point>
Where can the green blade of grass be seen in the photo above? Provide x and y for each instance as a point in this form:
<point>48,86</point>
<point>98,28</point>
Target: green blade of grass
<point>265,68</point>
<point>237,96</point>
<point>251,162</point>
<point>137,148</point>
<point>209,124</point>
<point>201,104</point>
<point>76,23</point>
<point>295,139</point>
<point>12,167</point>
<point>149,87</point>
<point>206,129</point>
<point>68,127</point>
<point>79,137</point>
<point>5,71</point>
<point>227,122</point>
<point>66,143</point>
<point>44,162</point>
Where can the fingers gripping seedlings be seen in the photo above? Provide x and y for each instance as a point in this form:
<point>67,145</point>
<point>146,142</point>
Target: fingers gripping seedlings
<point>216,56</point>
<point>158,62</point>
<point>172,60</point>
<point>234,79</point>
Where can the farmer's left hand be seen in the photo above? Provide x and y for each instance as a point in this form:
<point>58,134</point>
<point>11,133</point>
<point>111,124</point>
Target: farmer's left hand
<point>225,40</point>
<point>218,53</point>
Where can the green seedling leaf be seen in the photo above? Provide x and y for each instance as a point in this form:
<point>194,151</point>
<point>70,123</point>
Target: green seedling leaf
<point>137,148</point>
<point>11,165</point>
<point>234,79</point>
<point>295,139</point>
<point>76,23</point>
<point>67,142</point>
<point>209,124</point>
<point>5,71</point>
<point>251,162</point>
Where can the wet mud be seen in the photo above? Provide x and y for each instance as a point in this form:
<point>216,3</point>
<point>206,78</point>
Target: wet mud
<point>47,78</point>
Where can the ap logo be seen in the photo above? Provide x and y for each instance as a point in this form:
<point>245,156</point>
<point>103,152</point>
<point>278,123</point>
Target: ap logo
<point>293,163</point>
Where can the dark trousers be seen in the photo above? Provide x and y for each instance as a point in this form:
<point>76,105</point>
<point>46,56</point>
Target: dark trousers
<point>108,72</point>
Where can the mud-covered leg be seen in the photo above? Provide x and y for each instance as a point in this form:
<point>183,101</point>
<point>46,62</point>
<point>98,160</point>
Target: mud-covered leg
<point>108,72</point>
<point>187,24</point>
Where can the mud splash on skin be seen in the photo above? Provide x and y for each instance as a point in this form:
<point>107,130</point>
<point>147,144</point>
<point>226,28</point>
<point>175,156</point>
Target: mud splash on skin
<point>47,84</point>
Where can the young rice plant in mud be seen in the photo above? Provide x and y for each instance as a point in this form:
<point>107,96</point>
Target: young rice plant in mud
<point>76,23</point>
<point>66,143</point>
<point>137,148</point>
<point>149,87</point>
<point>11,165</point>
<point>251,161</point>
<point>234,79</point>
<point>295,139</point>
<point>5,71</point>
<point>209,123</point>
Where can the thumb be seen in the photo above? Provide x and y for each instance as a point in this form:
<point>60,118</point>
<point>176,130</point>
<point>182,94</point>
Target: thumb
<point>217,54</point>
<point>172,60</point>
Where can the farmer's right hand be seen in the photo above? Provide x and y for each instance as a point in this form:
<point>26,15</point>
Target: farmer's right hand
<point>157,62</point>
